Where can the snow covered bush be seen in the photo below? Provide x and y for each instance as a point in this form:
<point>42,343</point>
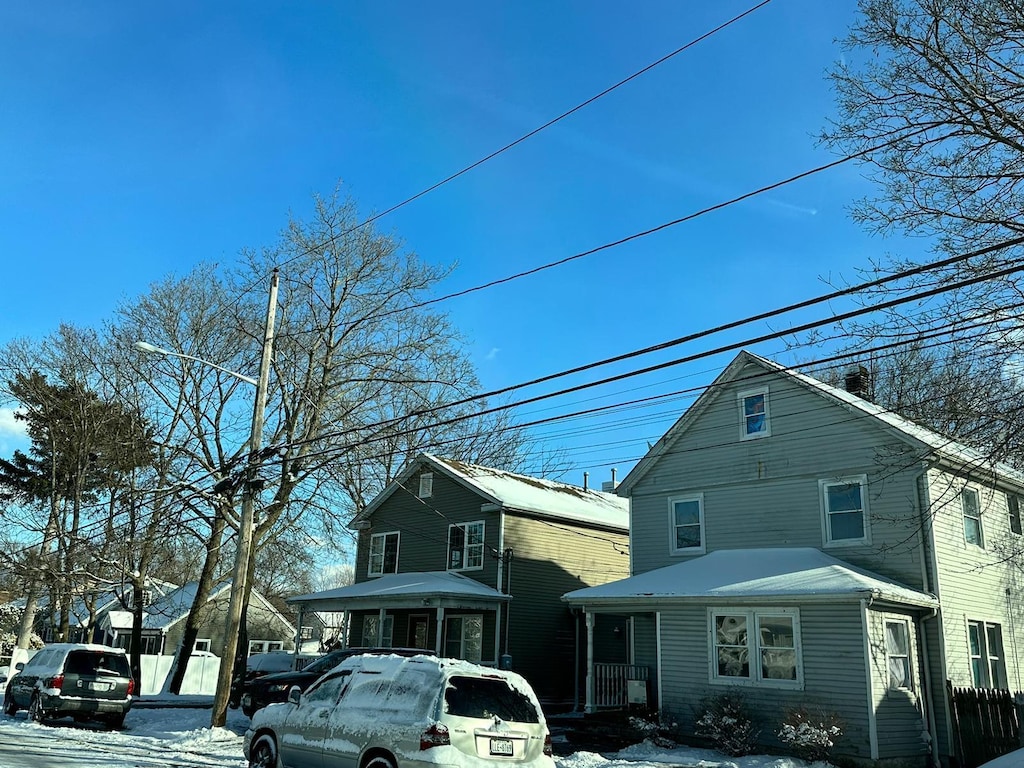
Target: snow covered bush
<point>650,727</point>
<point>725,723</point>
<point>811,735</point>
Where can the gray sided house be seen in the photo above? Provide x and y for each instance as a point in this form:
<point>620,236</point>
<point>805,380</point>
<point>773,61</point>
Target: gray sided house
<point>163,623</point>
<point>471,562</point>
<point>799,544</point>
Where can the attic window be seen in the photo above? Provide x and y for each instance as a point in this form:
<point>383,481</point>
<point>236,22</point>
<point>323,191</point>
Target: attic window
<point>755,419</point>
<point>426,485</point>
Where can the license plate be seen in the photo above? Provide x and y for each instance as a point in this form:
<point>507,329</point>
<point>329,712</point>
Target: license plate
<point>501,747</point>
<point>100,686</point>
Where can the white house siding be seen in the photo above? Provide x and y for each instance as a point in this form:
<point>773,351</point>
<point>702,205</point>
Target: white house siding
<point>833,666</point>
<point>900,716</point>
<point>977,584</point>
<point>765,492</point>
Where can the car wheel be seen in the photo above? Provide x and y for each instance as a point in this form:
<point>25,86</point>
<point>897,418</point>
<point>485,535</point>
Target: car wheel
<point>35,710</point>
<point>379,761</point>
<point>263,753</point>
<point>10,708</point>
<point>116,722</point>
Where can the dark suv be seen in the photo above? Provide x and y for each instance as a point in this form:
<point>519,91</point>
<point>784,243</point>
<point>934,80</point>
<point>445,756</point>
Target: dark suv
<point>83,681</point>
<point>271,689</point>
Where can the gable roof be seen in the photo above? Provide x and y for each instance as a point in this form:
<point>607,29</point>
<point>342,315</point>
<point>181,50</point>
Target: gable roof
<point>531,495</point>
<point>798,573</point>
<point>957,455</point>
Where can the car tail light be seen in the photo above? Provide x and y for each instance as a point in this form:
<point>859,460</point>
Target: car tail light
<point>57,681</point>
<point>547,745</point>
<point>131,686</point>
<point>435,736</point>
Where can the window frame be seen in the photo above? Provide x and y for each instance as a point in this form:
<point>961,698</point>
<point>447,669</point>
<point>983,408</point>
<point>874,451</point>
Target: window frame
<point>827,539</point>
<point>387,637</point>
<point>466,546</point>
<point>463,618</point>
<point>980,544</point>
<point>206,642</point>
<point>673,539</point>
<point>907,657</point>
<point>985,655</point>
<point>741,400</point>
<point>265,646</point>
<point>426,489</point>
<point>755,678</point>
<point>1013,513</point>
<point>383,555</point>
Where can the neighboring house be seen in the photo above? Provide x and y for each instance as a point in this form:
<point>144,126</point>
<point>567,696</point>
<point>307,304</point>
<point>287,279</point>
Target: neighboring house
<point>806,547</point>
<point>163,623</point>
<point>87,610</point>
<point>471,562</point>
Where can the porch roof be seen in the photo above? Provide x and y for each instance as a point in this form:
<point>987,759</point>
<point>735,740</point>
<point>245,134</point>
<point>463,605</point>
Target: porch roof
<point>431,589</point>
<point>796,574</point>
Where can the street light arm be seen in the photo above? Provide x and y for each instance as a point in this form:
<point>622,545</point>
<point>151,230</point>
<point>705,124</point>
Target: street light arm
<point>153,349</point>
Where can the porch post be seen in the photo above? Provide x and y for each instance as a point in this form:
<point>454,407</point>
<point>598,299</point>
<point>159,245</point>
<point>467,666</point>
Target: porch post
<point>380,627</point>
<point>590,707</point>
<point>439,639</point>
<point>298,630</point>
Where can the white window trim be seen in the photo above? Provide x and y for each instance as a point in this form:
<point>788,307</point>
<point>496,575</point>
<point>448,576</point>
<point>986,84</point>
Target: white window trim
<point>463,617</point>
<point>672,548</point>
<point>203,641</point>
<point>963,518</point>
<point>465,546</point>
<point>426,489</point>
<point>910,654</point>
<point>986,657</point>
<point>265,646</point>
<point>826,529</point>
<point>755,680</point>
<point>744,435</point>
<point>369,554</point>
<point>387,638</point>
<point>1020,512</point>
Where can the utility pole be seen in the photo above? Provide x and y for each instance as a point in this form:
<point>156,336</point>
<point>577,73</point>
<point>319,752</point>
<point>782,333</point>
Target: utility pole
<point>246,526</point>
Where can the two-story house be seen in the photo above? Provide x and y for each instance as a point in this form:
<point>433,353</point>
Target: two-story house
<point>471,562</point>
<point>798,543</point>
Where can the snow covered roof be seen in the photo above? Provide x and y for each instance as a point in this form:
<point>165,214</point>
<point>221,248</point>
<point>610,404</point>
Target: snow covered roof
<point>403,588</point>
<point>175,605</point>
<point>754,574</point>
<point>945,448</point>
<point>523,493</point>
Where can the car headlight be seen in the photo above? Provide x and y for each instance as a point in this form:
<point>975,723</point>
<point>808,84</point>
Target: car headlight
<point>278,687</point>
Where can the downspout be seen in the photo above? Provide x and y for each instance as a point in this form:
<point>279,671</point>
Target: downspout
<point>872,719</point>
<point>576,662</point>
<point>501,612</point>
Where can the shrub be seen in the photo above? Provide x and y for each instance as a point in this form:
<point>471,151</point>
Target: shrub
<point>811,735</point>
<point>649,726</point>
<point>725,723</point>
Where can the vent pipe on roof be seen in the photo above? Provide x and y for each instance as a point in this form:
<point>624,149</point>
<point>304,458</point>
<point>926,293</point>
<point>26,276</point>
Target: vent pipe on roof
<point>610,485</point>
<point>586,479</point>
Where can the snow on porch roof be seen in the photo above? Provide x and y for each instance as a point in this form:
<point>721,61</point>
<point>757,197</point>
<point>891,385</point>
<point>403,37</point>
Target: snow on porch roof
<point>399,586</point>
<point>754,574</point>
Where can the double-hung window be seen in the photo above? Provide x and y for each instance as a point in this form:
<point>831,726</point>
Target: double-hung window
<point>844,508</point>
<point>466,546</point>
<point>755,419</point>
<point>463,637</point>
<point>1013,507</point>
<point>686,524</point>
<point>383,553</point>
<point>897,654</point>
<point>755,647</point>
<point>988,667</point>
<point>971,506</point>
<point>375,635</point>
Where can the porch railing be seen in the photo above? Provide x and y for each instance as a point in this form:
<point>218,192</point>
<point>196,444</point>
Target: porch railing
<point>611,683</point>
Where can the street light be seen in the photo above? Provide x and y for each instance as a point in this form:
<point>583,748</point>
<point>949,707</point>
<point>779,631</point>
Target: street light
<point>243,550</point>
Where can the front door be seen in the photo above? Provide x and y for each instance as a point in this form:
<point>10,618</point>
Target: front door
<point>419,631</point>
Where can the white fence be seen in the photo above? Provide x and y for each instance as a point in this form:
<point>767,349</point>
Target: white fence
<point>200,677</point>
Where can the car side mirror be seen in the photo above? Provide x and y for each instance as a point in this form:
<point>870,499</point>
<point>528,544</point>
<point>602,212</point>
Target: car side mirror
<point>19,666</point>
<point>294,694</point>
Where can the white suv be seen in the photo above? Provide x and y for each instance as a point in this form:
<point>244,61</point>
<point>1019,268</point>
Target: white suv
<point>403,712</point>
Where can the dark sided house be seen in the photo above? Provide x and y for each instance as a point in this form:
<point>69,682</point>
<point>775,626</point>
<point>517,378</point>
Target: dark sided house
<point>471,562</point>
<point>801,545</point>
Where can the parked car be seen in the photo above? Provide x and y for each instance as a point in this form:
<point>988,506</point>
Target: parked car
<point>1013,759</point>
<point>258,692</point>
<point>83,681</point>
<point>258,665</point>
<point>373,710</point>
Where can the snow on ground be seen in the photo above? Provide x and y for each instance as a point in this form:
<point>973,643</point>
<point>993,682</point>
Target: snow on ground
<point>182,736</point>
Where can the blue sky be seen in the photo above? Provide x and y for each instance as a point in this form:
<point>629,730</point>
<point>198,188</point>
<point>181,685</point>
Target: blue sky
<point>139,139</point>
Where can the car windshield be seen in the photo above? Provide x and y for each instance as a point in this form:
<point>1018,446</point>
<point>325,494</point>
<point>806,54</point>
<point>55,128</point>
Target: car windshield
<point>487,697</point>
<point>325,663</point>
<point>96,663</point>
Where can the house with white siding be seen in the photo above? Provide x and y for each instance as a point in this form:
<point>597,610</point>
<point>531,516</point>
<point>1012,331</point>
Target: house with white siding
<point>471,562</point>
<point>795,542</point>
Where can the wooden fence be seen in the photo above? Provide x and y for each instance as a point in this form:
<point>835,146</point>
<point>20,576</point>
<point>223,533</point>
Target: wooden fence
<point>986,724</point>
